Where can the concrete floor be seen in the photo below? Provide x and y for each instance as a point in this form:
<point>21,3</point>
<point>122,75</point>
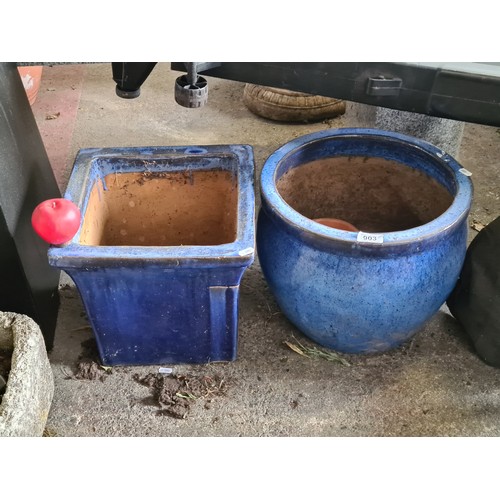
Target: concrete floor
<point>433,386</point>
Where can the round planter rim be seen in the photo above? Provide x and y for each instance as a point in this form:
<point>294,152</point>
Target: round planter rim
<point>455,213</point>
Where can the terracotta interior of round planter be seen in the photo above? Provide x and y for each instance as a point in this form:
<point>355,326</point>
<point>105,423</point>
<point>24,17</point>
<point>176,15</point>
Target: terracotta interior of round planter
<point>373,194</point>
<point>162,209</point>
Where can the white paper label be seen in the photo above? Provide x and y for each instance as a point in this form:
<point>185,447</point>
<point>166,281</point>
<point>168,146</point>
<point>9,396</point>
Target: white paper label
<point>370,238</point>
<point>245,252</point>
<point>465,172</point>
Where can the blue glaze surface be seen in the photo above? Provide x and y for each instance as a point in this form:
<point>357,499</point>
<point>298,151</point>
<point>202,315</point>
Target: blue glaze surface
<point>92,165</point>
<point>352,296</point>
<point>154,304</point>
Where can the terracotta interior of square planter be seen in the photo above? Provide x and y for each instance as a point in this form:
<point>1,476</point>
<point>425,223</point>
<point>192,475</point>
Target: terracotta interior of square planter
<point>373,194</point>
<point>197,207</point>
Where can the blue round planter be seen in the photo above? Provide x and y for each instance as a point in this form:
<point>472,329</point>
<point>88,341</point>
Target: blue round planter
<point>361,292</point>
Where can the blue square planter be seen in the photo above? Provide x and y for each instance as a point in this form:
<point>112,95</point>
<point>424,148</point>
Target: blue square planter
<point>166,235</point>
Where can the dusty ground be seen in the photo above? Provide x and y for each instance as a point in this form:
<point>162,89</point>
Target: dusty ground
<point>433,386</point>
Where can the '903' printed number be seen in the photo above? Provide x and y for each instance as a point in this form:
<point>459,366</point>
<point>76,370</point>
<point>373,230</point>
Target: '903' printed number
<point>370,238</point>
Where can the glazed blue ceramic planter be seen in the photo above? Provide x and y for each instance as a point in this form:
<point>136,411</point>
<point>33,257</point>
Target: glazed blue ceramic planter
<point>369,290</point>
<point>166,236</point>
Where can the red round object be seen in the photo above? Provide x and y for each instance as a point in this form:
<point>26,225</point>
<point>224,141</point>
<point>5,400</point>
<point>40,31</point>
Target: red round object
<point>56,220</point>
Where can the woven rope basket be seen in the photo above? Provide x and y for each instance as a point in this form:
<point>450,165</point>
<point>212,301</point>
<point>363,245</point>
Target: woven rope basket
<point>290,106</point>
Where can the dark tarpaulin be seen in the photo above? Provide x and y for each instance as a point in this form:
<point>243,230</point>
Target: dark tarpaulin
<point>475,301</point>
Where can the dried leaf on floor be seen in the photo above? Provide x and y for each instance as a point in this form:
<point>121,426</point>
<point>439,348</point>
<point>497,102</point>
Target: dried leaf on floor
<point>53,116</point>
<point>315,353</point>
<point>295,348</point>
<point>477,225</point>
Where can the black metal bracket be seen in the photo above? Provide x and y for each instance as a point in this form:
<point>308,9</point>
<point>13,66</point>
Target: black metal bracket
<point>381,86</point>
<point>468,92</point>
<point>130,76</point>
<point>28,284</point>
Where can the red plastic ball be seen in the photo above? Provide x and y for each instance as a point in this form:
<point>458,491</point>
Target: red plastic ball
<point>56,221</point>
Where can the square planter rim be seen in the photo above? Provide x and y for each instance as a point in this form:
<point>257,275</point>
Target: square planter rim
<point>237,158</point>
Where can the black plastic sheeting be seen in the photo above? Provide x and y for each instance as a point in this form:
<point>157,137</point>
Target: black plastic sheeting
<point>475,301</point>
<point>28,284</point>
